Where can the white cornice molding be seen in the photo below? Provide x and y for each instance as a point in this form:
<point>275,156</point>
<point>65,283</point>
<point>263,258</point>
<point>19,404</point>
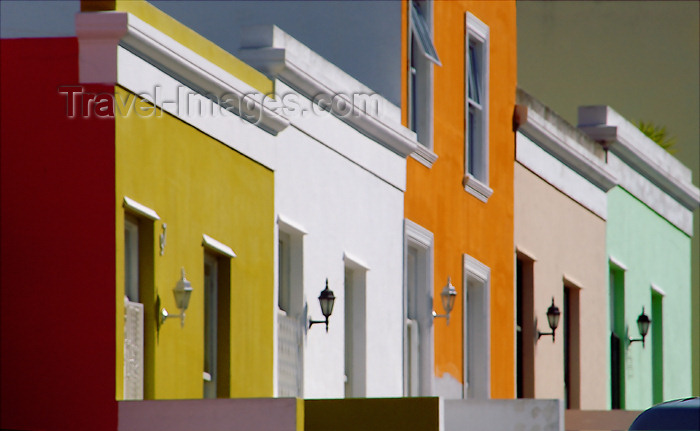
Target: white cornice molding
<point>99,34</point>
<point>280,56</point>
<point>140,209</point>
<point>640,153</point>
<point>217,246</point>
<point>549,132</point>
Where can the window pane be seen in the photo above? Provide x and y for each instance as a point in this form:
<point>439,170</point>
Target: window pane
<point>420,26</point>
<point>471,147</point>
<point>474,89</point>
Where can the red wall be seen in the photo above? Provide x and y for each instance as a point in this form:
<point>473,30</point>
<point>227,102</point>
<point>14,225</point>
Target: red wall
<point>58,245</point>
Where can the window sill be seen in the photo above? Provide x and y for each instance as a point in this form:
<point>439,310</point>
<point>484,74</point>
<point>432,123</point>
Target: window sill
<point>476,188</point>
<point>424,155</point>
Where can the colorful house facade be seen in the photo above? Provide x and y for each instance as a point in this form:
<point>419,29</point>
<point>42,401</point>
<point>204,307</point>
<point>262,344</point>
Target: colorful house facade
<point>158,220</point>
<point>561,182</point>
<point>339,197</point>
<point>649,230</point>
<point>459,81</point>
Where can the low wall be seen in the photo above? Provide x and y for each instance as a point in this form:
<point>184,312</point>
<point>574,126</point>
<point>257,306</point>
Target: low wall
<point>599,420</point>
<point>262,414</point>
<point>504,415</point>
<point>370,414</point>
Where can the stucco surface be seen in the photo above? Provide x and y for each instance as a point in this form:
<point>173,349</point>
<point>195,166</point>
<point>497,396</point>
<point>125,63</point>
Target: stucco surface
<point>322,186</point>
<point>199,186</point>
<point>653,251</point>
<point>568,242</point>
<point>436,199</point>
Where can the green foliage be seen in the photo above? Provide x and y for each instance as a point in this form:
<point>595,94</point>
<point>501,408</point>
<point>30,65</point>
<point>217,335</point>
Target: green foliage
<point>658,134</point>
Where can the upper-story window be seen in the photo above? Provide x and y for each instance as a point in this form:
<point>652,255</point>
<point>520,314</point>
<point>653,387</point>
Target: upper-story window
<point>421,57</point>
<point>476,151</point>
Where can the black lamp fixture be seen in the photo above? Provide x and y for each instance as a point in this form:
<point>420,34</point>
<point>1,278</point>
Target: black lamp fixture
<point>643,322</point>
<point>327,300</point>
<point>448,295</point>
<point>553,314</point>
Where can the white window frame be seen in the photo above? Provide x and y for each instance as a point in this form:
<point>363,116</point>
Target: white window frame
<point>476,298</point>
<point>422,100</point>
<point>477,32</point>
<point>416,236</point>
<point>290,248</point>
<point>355,332</point>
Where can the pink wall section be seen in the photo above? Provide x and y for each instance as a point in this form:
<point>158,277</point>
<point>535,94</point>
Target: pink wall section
<point>58,245</point>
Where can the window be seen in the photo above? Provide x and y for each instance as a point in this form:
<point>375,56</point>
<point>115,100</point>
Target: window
<point>617,335</point>
<point>290,309</point>
<point>355,329</point>
<point>422,55</point>
<point>525,329</point>
<point>133,313</point>
<point>216,374</point>
<point>572,366</point>
<point>418,328</point>
<point>476,151</point>
<point>657,344</point>
<point>477,327</point>
<point>140,325</point>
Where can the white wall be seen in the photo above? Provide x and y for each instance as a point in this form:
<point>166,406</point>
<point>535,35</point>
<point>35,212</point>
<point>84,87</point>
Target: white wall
<point>345,191</point>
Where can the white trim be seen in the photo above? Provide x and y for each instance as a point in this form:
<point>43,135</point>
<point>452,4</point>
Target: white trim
<point>535,159</point>
<point>215,245</point>
<point>476,188</point>
<point>640,153</point>
<point>289,226</point>
<point>277,54</point>
<point>424,156</point>
<point>563,142</point>
<point>421,239</point>
<point>617,263</point>
<point>658,290</point>
<point>476,270</point>
<point>651,195</point>
<point>418,234</point>
<point>138,208</point>
<point>99,34</point>
<point>138,77</point>
<point>477,30</point>
<point>423,100</point>
<point>354,262</point>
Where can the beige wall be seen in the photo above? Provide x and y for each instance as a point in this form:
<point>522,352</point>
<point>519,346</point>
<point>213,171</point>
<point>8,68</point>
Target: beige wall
<point>567,241</point>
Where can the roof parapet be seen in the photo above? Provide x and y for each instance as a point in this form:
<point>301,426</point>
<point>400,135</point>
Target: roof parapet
<point>563,141</point>
<point>277,54</point>
<point>99,34</point>
<point>639,152</point>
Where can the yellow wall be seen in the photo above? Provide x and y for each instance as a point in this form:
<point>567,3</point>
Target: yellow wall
<point>198,186</point>
<point>187,37</point>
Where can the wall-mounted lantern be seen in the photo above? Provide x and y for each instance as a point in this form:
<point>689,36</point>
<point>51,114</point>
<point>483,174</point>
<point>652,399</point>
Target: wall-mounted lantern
<point>448,295</point>
<point>553,315</point>
<point>327,300</point>
<point>643,322</point>
<point>182,292</point>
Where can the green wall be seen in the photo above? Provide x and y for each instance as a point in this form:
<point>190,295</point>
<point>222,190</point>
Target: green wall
<point>653,251</point>
<point>611,50</point>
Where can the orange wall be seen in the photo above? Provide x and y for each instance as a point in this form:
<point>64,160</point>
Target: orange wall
<point>436,199</point>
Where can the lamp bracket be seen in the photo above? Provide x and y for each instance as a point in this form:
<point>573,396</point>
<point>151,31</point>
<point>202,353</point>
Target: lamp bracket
<point>164,315</point>
<point>313,322</point>
<point>632,340</point>
<point>446,316</point>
